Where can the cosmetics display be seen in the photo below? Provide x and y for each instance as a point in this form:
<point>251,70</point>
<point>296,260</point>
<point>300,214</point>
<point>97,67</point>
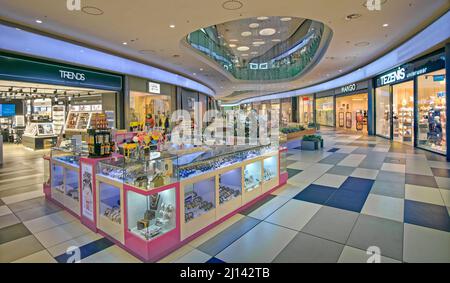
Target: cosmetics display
<point>81,121</point>
<point>39,129</point>
<point>59,117</point>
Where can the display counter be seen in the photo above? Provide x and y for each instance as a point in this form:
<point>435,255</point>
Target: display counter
<point>156,204</point>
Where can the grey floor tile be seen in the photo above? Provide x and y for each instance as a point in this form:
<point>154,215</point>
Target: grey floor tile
<point>332,224</point>
<point>341,170</point>
<point>389,189</point>
<point>334,158</point>
<point>385,234</point>
<point>393,177</point>
<point>221,241</point>
<point>309,249</point>
<point>28,204</point>
<point>36,212</point>
<point>19,248</point>
<point>395,160</point>
<point>421,180</point>
<point>13,232</point>
<point>371,164</point>
<point>8,220</point>
<point>257,205</point>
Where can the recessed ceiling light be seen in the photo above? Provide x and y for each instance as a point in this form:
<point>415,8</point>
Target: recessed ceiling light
<point>244,55</point>
<point>232,5</point>
<point>259,43</point>
<point>125,43</point>
<point>362,44</point>
<point>286,19</point>
<point>385,25</point>
<point>267,31</point>
<point>93,11</point>
<point>172,26</point>
<point>18,29</point>
<point>340,71</point>
<point>243,48</point>
<point>39,21</point>
<point>246,33</point>
<point>233,40</point>
<point>262,18</point>
<point>232,45</point>
<point>253,25</point>
<point>276,40</point>
<point>194,74</point>
<point>201,69</point>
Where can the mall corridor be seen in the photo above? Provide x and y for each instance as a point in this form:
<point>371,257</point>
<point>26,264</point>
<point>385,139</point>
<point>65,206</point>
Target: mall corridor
<point>358,192</point>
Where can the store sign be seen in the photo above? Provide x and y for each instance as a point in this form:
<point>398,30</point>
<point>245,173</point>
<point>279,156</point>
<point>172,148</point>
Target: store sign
<point>439,78</point>
<point>349,88</point>
<point>154,88</point>
<point>416,73</point>
<point>393,77</point>
<point>25,70</point>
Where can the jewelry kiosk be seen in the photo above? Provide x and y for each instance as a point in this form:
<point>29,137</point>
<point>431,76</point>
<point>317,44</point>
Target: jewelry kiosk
<point>151,206</point>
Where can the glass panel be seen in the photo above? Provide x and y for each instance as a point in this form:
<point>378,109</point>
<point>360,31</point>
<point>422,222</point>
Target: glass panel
<point>325,111</point>
<point>199,198</point>
<point>151,216</point>
<point>110,203</point>
<point>383,111</point>
<point>230,185</point>
<point>252,176</point>
<point>286,112</point>
<point>72,184</point>
<point>58,178</point>
<point>149,111</point>
<point>306,108</point>
<point>432,112</point>
<point>283,160</point>
<point>270,168</point>
<point>403,116</point>
<point>351,112</point>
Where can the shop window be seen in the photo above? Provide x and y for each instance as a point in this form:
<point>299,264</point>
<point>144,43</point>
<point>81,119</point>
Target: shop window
<point>351,112</point>
<point>325,111</point>
<point>286,112</point>
<point>432,112</point>
<point>383,111</point>
<point>403,115</point>
<point>306,110</point>
<point>147,110</point>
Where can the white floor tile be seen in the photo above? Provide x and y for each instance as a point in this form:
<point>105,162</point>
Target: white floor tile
<point>4,210</point>
<point>23,197</point>
<point>446,197</point>
<point>76,242</point>
<point>290,191</point>
<point>353,255</point>
<point>424,245</point>
<point>353,160</point>
<point>311,174</point>
<point>268,208</point>
<point>60,234</point>
<point>443,183</point>
<point>330,180</point>
<point>260,245</point>
<point>177,254</point>
<point>423,194</point>
<point>49,221</point>
<point>384,207</point>
<point>295,214</point>
<point>194,256</point>
<point>300,165</point>
<point>365,173</point>
<point>398,168</point>
<point>439,164</point>
<point>40,257</point>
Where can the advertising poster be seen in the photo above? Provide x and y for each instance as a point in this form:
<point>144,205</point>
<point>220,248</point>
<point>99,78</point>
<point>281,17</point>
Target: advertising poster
<point>87,191</point>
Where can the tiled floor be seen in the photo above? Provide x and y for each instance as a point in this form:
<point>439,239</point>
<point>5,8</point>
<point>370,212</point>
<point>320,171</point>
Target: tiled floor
<point>359,192</point>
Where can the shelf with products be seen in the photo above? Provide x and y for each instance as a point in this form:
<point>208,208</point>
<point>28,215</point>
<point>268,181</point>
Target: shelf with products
<point>270,172</point>
<point>230,191</point>
<point>151,216</point>
<point>58,117</point>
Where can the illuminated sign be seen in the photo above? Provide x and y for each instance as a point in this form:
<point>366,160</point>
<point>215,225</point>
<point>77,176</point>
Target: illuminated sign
<point>154,88</point>
<point>395,76</point>
<point>349,88</point>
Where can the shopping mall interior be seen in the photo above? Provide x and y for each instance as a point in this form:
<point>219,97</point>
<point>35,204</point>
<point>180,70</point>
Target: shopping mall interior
<point>225,131</point>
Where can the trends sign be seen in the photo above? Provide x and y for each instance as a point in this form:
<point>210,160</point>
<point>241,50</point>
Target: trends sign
<point>65,75</point>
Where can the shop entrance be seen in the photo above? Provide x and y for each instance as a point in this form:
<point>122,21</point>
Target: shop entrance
<point>351,113</point>
<point>403,113</point>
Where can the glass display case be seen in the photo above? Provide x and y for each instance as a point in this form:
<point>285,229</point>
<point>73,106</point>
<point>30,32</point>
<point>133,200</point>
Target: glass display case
<point>154,171</point>
<point>110,203</point>
<point>199,198</point>
<point>283,162</point>
<point>215,158</point>
<point>252,176</point>
<point>270,168</point>
<point>151,216</point>
<point>230,186</point>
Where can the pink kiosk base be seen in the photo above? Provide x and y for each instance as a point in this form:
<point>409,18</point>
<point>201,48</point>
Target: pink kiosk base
<point>159,247</point>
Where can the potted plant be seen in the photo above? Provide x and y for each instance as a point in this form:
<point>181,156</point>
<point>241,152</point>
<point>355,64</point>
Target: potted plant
<point>312,142</point>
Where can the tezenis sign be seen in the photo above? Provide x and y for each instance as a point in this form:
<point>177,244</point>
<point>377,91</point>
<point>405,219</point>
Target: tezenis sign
<point>395,76</point>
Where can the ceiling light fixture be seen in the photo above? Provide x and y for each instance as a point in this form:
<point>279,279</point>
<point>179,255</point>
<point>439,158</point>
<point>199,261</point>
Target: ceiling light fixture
<point>125,43</point>
<point>232,5</point>
<point>286,19</point>
<point>243,48</point>
<point>172,26</point>
<point>253,25</point>
<point>93,11</point>
<point>267,31</point>
<point>262,18</point>
<point>276,40</point>
<point>233,40</point>
<point>246,33</point>
<point>39,21</point>
<point>362,44</point>
<point>385,25</point>
<point>257,43</point>
<point>232,45</point>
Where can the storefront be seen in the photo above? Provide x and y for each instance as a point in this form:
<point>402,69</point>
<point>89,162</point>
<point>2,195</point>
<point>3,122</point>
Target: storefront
<point>306,109</point>
<point>47,99</point>
<point>325,111</point>
<point>411,104</point>
<point>352,103</point>
<point>150,104</point>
